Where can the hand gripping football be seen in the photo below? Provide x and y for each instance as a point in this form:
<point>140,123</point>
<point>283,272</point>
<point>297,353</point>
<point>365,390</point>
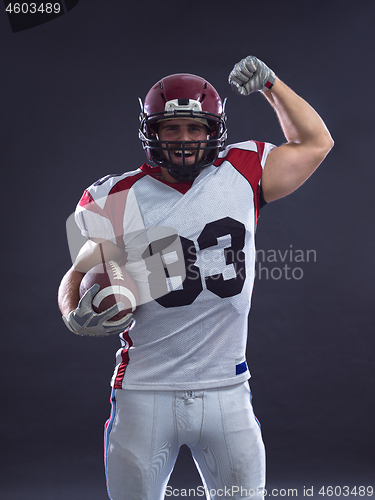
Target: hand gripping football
<point>116,285</point>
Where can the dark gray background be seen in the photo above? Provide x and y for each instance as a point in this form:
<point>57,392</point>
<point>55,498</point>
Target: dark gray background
<point>69,115</point>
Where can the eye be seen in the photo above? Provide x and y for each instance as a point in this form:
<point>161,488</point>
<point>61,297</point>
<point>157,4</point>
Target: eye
<point>170,128</point>
<point>196,128</point>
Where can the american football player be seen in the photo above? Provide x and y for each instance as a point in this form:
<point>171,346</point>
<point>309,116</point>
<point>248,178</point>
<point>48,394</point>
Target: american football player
<point>185,223</point>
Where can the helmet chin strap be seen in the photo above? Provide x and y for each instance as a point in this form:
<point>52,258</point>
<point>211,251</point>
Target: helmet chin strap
<point>184,175</point>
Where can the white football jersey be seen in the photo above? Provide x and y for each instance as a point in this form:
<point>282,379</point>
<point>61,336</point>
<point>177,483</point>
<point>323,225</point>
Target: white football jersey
<point>192,256</point>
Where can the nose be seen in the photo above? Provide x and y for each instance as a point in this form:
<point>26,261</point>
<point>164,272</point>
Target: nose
<point>184,134</point>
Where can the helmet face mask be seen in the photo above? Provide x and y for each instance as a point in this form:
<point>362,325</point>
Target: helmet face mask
<point>183,96</point>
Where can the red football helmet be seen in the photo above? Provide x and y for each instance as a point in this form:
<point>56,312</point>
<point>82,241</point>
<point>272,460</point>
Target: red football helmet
<point>182,96</point>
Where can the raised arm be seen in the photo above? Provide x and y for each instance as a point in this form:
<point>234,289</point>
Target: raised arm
<point>308,139</point>
<point>309,142</point>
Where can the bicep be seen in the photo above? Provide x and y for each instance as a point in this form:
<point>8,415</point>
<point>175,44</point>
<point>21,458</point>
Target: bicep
<point>287,168</point>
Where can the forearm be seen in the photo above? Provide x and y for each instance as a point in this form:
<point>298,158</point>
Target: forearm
<point>91,254</point>
<point>79,316</point>
<point>68,294</point>
<point>300,123</point>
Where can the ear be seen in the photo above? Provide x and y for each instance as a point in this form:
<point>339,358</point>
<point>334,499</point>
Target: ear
<point>211,133</point>
<point>154,128</point>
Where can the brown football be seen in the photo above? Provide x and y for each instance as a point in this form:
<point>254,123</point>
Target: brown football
<point>116,285</point>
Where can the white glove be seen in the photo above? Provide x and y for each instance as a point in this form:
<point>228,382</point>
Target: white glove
<point>85,321</point>
<point>251,75</point>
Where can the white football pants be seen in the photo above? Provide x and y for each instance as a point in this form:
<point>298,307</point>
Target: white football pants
<point>147,428</point>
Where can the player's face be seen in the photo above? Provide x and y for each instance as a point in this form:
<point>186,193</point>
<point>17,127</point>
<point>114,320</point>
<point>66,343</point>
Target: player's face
<point>183,129</point>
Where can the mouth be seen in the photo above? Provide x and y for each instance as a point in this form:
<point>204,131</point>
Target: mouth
<point>187,154</point>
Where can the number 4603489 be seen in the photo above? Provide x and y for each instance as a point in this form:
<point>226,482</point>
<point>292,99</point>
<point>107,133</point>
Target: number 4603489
<point>33,8</point>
